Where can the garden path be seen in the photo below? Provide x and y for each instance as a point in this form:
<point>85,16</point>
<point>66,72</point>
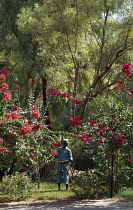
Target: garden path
<point>107,204</point>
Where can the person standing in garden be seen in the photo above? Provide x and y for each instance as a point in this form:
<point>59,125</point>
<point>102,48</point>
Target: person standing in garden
<point>64,157</point>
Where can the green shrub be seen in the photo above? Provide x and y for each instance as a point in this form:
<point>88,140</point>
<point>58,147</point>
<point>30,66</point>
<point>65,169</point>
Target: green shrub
<point>91,185</point>
<point>17,186</point>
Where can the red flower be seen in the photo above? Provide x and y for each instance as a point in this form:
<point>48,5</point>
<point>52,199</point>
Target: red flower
<point>120,85</point>
<point>15,108</point>
<point>66,95</point>
<point>34,107</point>
<point>106,157</point>
<point>36,127</point>
<point>36,114</point>
<point>1,140</point>
<point>126,69</point>
<point>2,77</point>
<point>48,117</point>
<point>4,71</point>
<point>2,149</point>
<point>14,116</point>
<point>7,96</point>
<point>4,87</point>
<point>93,122</point>
<point>75,121</point>
<point>17,87</point>
<point>25,130</point>
<point>76,101</point>
<point>55,92</point>
<point>84,138</point>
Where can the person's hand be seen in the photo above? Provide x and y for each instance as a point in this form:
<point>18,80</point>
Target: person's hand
<point>62,162</point>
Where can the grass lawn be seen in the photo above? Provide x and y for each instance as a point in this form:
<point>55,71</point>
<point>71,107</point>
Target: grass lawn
<point>47,191</point>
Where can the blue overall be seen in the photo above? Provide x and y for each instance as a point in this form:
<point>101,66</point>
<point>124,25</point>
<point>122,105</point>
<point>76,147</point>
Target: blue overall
<point>64,153</point>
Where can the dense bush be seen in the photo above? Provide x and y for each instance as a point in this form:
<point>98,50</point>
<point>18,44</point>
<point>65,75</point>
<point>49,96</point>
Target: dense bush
<point>17,186</point>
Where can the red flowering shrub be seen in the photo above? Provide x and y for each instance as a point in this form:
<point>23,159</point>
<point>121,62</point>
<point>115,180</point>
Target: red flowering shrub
<point>126,69</point>
<point>25,130</point>
<point>36,114</point>
<point>76,101</point>
<point>7,96</point>
<point>75,121</point>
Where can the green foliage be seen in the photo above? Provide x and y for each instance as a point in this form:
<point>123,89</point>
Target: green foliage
<point>125,193</point>
<point>17,186</point>
<point>92,184</point>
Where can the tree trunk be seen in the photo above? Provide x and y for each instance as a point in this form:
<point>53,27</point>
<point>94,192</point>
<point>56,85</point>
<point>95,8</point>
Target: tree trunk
<point>44,86</point>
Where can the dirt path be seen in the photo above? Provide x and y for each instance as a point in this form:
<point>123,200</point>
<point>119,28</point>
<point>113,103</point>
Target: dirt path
<point>107,204</point>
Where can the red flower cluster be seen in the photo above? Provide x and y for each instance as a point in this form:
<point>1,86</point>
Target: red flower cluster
<point>12,116</point>
<point>37,126</point>
<point>2,149</point>
<point>17,87</point>
<point>25,130</point>
<point>93,122</point>
<point>1,140</point>
<point>84,138</point>
<point>126,69</point>
<point>48,117</point>
<point>7,96</point>
<point>101,129</point>
<point>76,101</point>
<point>75,121</point>
<point>56,144</point>
<point>4,87</point>
<point>36,114</point>
<point>66,95</point>
<point>120,141</point>
<point>120,85</point>
<point>56,93</point>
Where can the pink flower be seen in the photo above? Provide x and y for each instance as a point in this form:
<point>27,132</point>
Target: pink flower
<point>25,130</point>
<point>76,101</point>
<point>75,121</point>
<point>93,122</point>
<point>7,96</point>
<point>36,114</point>
<point>1,140</point>
<point>131,91</point>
